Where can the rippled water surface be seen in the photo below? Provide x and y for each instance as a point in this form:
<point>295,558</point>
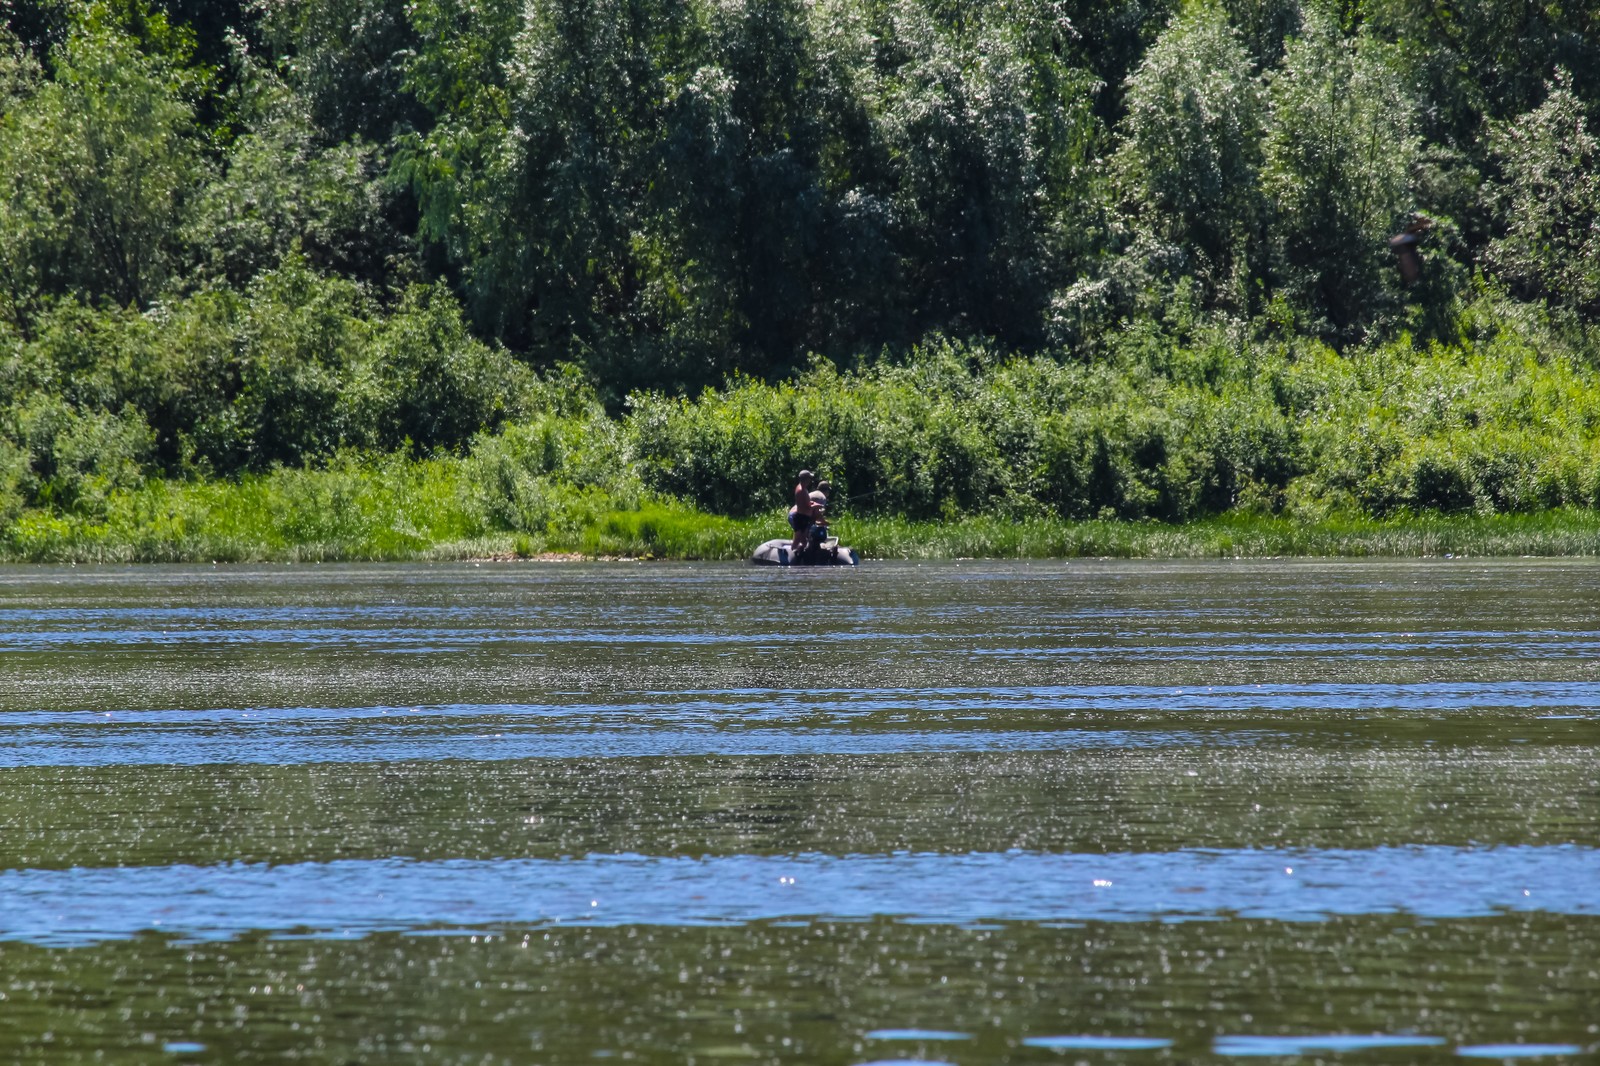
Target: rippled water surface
<point>960,813</point>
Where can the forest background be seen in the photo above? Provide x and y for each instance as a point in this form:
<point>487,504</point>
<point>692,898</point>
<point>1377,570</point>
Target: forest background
<point>389,278</point>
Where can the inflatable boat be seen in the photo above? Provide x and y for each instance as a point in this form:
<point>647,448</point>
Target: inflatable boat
<point>829,553</point>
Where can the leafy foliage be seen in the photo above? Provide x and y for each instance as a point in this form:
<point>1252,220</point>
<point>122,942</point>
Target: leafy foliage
<point>990,133</point>
<point>293,370</point>
<point>283,190</point>
<point>1550,193</point>
<point>1339,150</point>
<point>1194,128</point>
<point>99,161</point>
<point>347,60</point>
<point>1162,430</point>
<point>1027,258</point>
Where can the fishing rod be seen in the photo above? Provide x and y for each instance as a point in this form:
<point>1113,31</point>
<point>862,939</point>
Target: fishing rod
<point>864,495</point>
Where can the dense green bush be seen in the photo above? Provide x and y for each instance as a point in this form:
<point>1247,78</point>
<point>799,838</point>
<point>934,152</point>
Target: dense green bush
<point>1496,425</point>
<point>1221,425</point>
<point>425,382</point>
<point>1509,421</point>
<point>904,435</point>
<point>76,457</point>
<point>292,371</point>
<point>531,477</point>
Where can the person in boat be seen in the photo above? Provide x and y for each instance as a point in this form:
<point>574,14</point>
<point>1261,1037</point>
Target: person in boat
<point>819,521</point>
<point>820,500</point>
<point>804,513</point>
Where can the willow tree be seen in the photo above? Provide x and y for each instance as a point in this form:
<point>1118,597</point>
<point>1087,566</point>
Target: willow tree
<point>550,262</point>
<point>1193,149</point>
<point>746,232</point>
<point>1549,201</point>
<point>992,137</point>
<point>1338,155</point>
<point>98,165</point>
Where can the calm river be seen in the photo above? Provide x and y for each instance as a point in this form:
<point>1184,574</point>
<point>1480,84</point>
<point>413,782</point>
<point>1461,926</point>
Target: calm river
<point>960,813</point>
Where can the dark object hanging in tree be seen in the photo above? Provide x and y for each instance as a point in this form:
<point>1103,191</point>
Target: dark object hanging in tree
<point>1404,244</point>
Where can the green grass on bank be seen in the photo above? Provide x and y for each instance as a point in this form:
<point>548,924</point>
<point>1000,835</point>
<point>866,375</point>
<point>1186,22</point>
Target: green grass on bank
<point>399,510</point>
<point>1553,533</point>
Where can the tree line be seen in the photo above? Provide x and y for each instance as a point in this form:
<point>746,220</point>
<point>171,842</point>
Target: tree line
<point>245,233</point>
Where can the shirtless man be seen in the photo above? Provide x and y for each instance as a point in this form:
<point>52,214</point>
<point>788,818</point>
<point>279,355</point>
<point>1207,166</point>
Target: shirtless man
<point>804,512</point>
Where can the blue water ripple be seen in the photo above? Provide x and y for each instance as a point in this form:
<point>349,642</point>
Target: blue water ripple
<point>1335,1043</point>
<point>360,896</point>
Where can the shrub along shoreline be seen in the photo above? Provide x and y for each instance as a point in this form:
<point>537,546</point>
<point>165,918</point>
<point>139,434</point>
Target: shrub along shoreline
<point>1206,441</point>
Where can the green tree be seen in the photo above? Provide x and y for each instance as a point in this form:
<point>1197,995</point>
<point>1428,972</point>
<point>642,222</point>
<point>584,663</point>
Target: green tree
<point>1193,149</point>
<point>282,189</point>
<point>991,134</point>
<point>348,60</point>
<point>550,259</point>
<point>1548,199</point>
<point>1339,148</point>
<point>458,73</point>
<point>1264,27</point>
<point>99,167</point>
<point>1108,38</point>
<point>1485,60</point>
<point>750,204</point>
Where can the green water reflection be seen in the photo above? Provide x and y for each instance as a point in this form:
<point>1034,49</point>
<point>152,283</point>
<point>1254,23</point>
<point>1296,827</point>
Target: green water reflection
<point>771,993</point>
<point>1092,802</point>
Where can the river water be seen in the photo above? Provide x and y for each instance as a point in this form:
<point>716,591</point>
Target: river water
<point>965,813</point>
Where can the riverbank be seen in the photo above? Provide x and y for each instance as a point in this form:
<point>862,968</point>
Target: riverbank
<point>1205,446</point>
<point>428,511</point>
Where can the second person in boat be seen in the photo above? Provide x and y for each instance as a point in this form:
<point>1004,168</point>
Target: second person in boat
<point>804,513</point>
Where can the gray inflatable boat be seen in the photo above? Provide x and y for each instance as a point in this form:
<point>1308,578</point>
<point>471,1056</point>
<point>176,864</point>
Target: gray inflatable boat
<point>828,553</point>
